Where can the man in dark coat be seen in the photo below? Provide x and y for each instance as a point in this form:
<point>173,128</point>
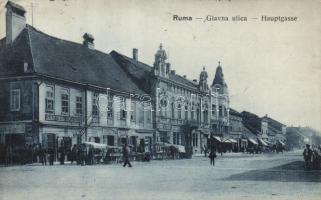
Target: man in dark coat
<point>73,154</point>
<point>51,156</point>
<point>126,155</point>
<point>212,157</point>
<point>307,155</point>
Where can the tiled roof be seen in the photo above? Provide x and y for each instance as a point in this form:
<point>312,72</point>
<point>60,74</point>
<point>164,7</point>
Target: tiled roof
<point>64,59</point>
<point>140,71</point>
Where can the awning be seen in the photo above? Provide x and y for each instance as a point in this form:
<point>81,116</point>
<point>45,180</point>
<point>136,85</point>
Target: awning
<point>217,138</point>
<point>232,140</point>
<point>262,142</point>
<point>180,148</point>
<point>281,142</point>
<point>252,141</point>
<point>96,145</point>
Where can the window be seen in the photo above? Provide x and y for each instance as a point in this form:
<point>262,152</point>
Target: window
<point>15,100</point>
<point>197,115</point>
<point>79,105</point>
<point>110,108</point>
<point>220,111</point>
<point>195,140</point>
<point>176,138</point>
<point>50,100</point>
<point>179,111</point>
<point>133,111</point>
<point>213,110</point>
<point>109,140</point>
<point>192,112</point>
<point>148,116</point>
<point>141,114</point>
<point>173,111</point>
<point>123,112</point>
<point>186,112</point>
<point>95,110</point>
<point>64,102</point>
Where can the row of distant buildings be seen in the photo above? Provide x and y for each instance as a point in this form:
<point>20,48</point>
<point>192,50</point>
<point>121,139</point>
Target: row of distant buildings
<point>54,91</point>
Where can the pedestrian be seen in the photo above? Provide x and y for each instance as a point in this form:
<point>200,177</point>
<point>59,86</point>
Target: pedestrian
<point>126,152</point>
<point>73,154</point>
<point>307,155</point>
<point>205,151</point>
<point>42,155</point>
<point>315,159</point>
<point>62,155</point>
<point>212,157</point>
<point>51,153</point>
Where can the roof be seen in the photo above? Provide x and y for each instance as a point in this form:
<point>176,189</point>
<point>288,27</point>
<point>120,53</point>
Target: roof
<point>235,113</point>
<point>273,122</point>
<point>219,77</point>
<point>15,6</point>
<point>140,72</point>
<point>251,121</point>
<point>63,59</point>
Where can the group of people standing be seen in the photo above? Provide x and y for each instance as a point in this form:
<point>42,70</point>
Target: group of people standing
<point>78,153</point>
<point>312,157</point>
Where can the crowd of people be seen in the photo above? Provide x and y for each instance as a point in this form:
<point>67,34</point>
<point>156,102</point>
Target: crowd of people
<point>312,157</point>
<point>80,154</point>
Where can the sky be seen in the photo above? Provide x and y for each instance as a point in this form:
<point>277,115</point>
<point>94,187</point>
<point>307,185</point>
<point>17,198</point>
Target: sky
<point>270,68</point>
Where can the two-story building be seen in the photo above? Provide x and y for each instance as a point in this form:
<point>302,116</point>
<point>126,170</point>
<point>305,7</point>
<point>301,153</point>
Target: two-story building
<point>54,91</point>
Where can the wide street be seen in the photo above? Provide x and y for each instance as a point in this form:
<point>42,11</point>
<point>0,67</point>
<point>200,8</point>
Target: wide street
<point>235,176</point>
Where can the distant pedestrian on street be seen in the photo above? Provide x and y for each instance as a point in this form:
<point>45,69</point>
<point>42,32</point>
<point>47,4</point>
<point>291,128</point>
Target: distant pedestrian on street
<point>42,155</point>
<point>212,157</point>
<point>51,156</point>
<point>126,152</point>
<point>62,155</point>
<point>73,154</point>
<point>307,155</point>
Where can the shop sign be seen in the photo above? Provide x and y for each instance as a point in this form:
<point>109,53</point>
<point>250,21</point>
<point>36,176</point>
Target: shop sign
<point>12,128</point>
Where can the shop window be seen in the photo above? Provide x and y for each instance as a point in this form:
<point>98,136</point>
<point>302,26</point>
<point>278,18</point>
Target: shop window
<point>195,140</point>
<point>50,100</point>
<point>15,100</point>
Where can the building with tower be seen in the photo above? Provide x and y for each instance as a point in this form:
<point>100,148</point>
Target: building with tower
<point>56,92</point>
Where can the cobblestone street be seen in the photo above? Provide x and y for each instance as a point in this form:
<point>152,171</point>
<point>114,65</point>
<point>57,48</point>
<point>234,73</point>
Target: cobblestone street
<point>235,176</point>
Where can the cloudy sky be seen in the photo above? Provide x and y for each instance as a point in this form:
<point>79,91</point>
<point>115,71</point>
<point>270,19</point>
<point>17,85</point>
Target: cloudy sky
<point>270,68</point>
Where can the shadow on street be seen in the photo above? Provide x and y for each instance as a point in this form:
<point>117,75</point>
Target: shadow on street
<point>290,172</point>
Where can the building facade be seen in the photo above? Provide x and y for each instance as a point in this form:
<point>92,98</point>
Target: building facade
<point>55,92</point>
<point>186,111</point>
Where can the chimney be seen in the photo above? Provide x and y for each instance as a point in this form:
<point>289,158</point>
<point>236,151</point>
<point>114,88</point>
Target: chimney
<point>184,76</point>
<point>88,41</point>
<point>135,54</point>
<point>15,21</point>
<point>173,72</point>
<point>195,80</point>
